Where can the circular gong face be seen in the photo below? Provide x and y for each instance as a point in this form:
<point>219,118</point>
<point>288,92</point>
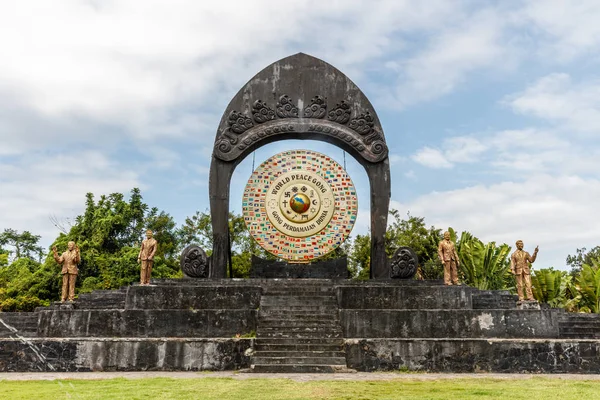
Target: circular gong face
<point>300,205</point>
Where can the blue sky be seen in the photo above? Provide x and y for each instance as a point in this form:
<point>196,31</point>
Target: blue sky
<point>491,109</point>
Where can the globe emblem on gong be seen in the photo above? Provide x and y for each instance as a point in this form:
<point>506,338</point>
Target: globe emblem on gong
<point>300,205</point>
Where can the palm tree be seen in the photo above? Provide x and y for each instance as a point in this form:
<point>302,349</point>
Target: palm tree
<point>484,266</point>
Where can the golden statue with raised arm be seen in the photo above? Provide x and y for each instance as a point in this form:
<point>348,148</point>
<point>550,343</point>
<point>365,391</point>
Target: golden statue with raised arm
<point>519,266</point>
<point>449,258</point>
<point>69,260</point>
<point>146,257</point>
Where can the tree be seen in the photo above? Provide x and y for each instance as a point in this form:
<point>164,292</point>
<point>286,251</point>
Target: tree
<point>413,232</point>
<point>553,287</point>
<point>359,257</point>
<point>582,257</point>
<point>484,266</point>
<point>198,230</point>
<point>3,257</point>
<point>588,282</point>
<point>25,244</point>
<point>108,234</point>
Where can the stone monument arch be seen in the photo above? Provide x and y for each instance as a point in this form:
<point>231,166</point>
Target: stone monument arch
<point>299,97</point>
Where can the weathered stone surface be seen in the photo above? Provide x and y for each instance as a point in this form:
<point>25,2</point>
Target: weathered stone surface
<point>146,323</point>
<point>409,296</point>
<point>193,297</point>
<point>475,355</point>
<point>385,325</point>
<point>449,323</point>
<point>21,323</point>
<point>327,269</point>
<point>119,354</point>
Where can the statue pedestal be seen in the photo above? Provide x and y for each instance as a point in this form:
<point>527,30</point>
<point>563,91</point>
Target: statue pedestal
<point>327,269</point>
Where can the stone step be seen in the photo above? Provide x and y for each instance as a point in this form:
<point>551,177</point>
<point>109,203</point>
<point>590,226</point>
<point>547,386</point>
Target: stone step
<point>581,323</point>
<point>104,294</point>
<point>297,285</point>
<point>494,305</point>
<point>572,317</point>
<point>299,353</point>
<point>297,296</point>
<point>570,335</point>
<point>298,301</point>
<point>299,368</point>
<point>99,301</point>
<point>300,360</point>
<point>494,301</point>
<point>302,292</point>
<point>301,341</point>
<point>580,330</point>
<point>290,323</point>
<point>260,346</point>
<point>293,308</point>
<point>301,328</point>
<point>493,293</point>
<point>278,312</point>
<point>308,317</point>
<point>290,334</point>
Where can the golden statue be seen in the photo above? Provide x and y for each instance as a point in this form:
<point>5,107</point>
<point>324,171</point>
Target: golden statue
<point>449,257</point>
<point>146,257</point>
<point>69,260</point>
<point>519,266</point>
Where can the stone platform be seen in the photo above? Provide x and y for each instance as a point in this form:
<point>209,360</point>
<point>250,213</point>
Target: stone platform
<point>299,325</point>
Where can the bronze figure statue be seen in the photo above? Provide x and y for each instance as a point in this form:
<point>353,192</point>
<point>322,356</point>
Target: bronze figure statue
<point>520,261</point>
<point>449,258</point>
<point>69,260</point>
<point>146,257</point>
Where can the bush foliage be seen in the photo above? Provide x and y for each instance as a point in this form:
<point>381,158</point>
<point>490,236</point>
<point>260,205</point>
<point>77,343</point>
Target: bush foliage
<point>110,231</point>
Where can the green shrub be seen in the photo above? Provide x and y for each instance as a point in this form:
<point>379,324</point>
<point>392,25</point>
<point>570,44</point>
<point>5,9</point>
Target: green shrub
<point>22,303</point>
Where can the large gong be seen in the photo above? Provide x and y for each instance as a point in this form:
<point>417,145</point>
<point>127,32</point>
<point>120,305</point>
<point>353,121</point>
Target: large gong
<point>298,97</point>
<point>300,205</point>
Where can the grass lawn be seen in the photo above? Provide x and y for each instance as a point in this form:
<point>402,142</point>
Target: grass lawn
<point>238,389</point>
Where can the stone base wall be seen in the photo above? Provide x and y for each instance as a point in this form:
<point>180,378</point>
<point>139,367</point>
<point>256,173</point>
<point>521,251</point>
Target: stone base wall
<point>218,354</point>
<point>146,323</point>
<point>122,354</point>
<point>475,355</point>
<point>449,323</point>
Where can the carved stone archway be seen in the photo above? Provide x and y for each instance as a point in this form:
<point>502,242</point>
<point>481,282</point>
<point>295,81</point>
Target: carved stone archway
<point>299,97</point>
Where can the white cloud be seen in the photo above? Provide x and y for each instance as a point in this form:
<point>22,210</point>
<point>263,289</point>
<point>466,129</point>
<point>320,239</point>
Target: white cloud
<point>565,29</point>
<point>463,149</point>
<point>549,210</point>
<point>507,152</point>
<point>457,149</point>
<point>431,158</point>
<point>471,41</point>
<point>146,69</point>
<point>41,186</point>
<point>555,97</point>
<point>410,174</point>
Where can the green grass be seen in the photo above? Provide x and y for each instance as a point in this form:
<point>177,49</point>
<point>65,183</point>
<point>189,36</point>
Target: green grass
<point>285,389</point>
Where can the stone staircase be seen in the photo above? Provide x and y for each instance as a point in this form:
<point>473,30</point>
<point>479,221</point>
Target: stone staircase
<point>299,328</point>
<point>494,299</point>
<point>579,326</point>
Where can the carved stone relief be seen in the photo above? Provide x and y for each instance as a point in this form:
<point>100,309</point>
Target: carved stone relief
<point>194,262</point>
<point>243,131</point>
<point>404,264</point>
